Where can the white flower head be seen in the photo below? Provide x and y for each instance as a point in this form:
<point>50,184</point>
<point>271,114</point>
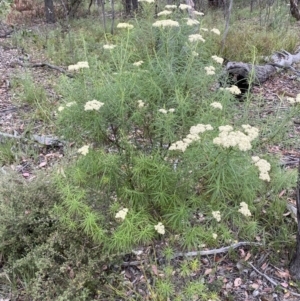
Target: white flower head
<point>171,110</point>
<point>291,100</point>
<point>83,150</point>
<point>251,131</point>
<point>78,66</point>
<point>228,138</point>
<point>164,13</point>
<point>210,70</point>
<point>125,25</point>
<point>216,105</point>
<point>109,46</point>
<point>204,29</point>
<point>184,6</point>
<point>263,166</point>
<point>216,215</point>
<point>198,13</point>
<point>160,228</point>
<point>141,104</point>
<point>194,53</point>
<point>93,105</point>
<point>219,60</point>
<point>137,64</point>
<point>191,22</point>
<point>83,64</point>
<point>163,111</point>
<point>179,145</point>
<point>216,31</point>
<point>147,1</point>
<point>234,90</point>
<point>244,209</point>
<point>214,235</point>
<point>196,38</point>
<point>298,97</point>
<point>73,68</point>
<point>60,108</point>
<point>121,214</point>
<point>165,23</point>
<point>170,6</point>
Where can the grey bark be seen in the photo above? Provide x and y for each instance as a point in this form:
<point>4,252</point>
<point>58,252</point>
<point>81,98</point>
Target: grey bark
<point>258,74</point>
<point>49,11</point>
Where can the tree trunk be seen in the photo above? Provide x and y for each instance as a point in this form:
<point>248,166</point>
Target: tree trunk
<point>295,263</point>
<point>295,9</point>
<point>49,11</point>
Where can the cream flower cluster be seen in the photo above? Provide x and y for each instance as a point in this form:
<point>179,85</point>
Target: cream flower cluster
<point>214,235</point>
<point>164,111</point>
<point>141,104</point>
<point>184,6</point>
<point>147,1</point>
<point>121,214</point>
<point>195,38</point>
<point>216,105</point>
<point>244,209</point>
<point>194,53</point>
<point>164,13</point>
<point>191,22</point>
<point>69,104</point>
<point>210,70</point>
<point>198,13</point>
<point>125,25</point>
<point>170,6</point>
<point>191,137</point>
<point>216,215</point>
<point>233,90</point>
<point>78,66</point>
<point>137,64</point>
<point>165,23</point>
<point>109,46</point>
<point>293,100</point>
<point>160,228</point>
<point>218,59</point>
<point>263,166</point>
<point>93,105</point>
<point>229,138</point>
<point>216,31</point>
<point>83,150</point>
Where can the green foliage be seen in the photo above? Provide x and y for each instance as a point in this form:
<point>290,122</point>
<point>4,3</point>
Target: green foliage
<point>128,174</point>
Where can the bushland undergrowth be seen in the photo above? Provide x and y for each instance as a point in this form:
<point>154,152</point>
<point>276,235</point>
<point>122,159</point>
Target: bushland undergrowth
<point>157,146</point>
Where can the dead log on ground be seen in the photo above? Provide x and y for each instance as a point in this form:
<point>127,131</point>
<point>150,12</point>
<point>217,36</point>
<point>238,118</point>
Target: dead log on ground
<point>248,74</point>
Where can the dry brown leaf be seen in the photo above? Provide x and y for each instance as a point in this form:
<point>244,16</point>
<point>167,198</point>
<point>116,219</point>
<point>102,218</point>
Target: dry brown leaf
<point>207,271</point>
<point>154,269</point>
<point>247,256</point>
<point>237,282</point>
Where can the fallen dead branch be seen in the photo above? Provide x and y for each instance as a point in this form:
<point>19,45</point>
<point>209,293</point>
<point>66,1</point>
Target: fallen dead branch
<point>273,281</point>
<point>36,65</point>
<point>216,251</point>
<point>258,74</point>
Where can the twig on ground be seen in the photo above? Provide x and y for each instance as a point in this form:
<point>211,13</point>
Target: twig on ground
<point>216,251</point>
<point>272,280</point>
<point>45,65</point>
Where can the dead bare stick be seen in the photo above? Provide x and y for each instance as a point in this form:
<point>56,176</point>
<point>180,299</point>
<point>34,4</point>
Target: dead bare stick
<point>272,280</point>
<point>52,67</point>
<point>216,251</point>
